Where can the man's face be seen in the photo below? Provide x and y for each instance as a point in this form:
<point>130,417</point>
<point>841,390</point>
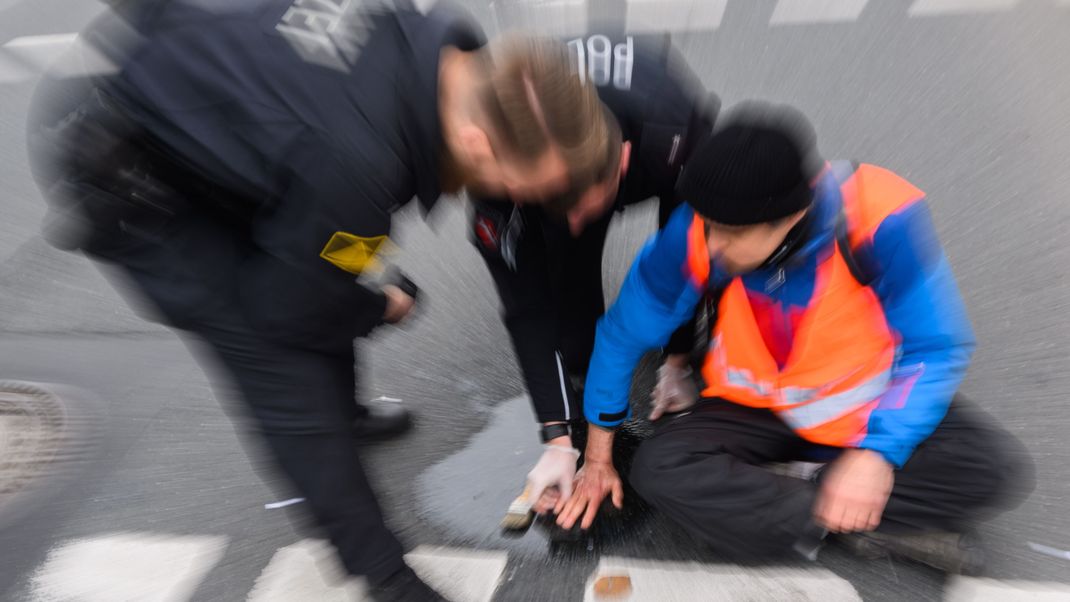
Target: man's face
<point>741,249</point>
<point>522,181</point>
<point>599,198</point>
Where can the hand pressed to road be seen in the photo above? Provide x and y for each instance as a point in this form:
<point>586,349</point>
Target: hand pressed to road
<point>593,483</point>
<point>854,492</point>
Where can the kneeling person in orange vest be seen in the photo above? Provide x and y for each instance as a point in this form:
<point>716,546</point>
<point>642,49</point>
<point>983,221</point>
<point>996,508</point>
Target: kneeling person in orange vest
<point>840,336</point>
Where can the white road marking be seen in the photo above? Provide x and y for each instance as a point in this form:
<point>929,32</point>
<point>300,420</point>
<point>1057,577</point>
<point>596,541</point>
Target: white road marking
<point>39,51</point>
<point>674,15</point>
<point>971,589</point>
<point>309,570</point>
<point>461,575</point>
<point>793,12</point>
<point>547,17</point>
<point>152,567</point>
<point>686,581</point>
<point>1050,551</point>
<point>306,570</point>
<point>146,567</point>
<point>930,8</point>
<point>283,503</point>
<point>65,53</point>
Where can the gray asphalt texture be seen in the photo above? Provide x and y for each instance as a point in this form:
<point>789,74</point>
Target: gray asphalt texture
<point>972,108</point>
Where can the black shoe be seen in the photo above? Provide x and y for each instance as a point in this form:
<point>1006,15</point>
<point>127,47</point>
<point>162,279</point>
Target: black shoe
<point>956,553</point>
<point>381,419</point>
<point>405,586</point>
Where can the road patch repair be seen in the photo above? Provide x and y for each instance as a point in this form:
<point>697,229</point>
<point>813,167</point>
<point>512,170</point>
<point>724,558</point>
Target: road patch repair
<point>40,439</point>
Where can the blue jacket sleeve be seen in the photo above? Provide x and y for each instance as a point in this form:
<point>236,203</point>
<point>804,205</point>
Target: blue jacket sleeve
<point>925,311</point>
<point>658,295</point>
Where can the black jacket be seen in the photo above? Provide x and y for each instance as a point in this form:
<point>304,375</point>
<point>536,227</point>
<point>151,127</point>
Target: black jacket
<point>550,300</point>
<point>326,119</point>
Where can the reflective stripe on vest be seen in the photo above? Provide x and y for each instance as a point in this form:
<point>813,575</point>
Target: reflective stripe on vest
<point>827,409</point>
<point>843,350</point>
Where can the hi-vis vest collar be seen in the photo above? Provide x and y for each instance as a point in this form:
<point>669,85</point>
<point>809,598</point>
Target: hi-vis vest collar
<point>843,351</point>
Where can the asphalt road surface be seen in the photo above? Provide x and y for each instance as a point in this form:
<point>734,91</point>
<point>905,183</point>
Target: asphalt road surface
<point>967,99</point>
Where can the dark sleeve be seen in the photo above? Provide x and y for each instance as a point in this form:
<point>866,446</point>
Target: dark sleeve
<point>515,254</point>
<point>677,116</point>
<point>296,288</point>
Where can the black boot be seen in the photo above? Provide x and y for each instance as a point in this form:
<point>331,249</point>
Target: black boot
<point>405,586</point>
<point>380,419</point>
<point>956,553</point>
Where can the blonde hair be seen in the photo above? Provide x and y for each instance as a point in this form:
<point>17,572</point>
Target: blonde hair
<point>534,100</point>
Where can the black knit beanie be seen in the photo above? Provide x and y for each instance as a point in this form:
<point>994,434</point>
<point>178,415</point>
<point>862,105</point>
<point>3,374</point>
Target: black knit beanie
<point>755,168</point>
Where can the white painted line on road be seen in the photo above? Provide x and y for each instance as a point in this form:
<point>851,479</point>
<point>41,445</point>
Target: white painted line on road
<point>461,575</point>
<point>931,8</point>
<point>972,589</point>
<point>674,15</point>
<point>547,17</point>
<point>47,40</point>
<point>306,570</point>
<point>39,51</point>
<point>794,12</point>
<point>687,581</point>
<point>146,567</point>
<point>65,53</point>
<point>283,503</point>
<point>1048,550</point>
<point>309,570</point>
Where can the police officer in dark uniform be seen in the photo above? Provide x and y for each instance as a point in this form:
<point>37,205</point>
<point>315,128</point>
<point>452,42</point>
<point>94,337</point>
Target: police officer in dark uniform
<point>547,263</point>
<point>240,165</point>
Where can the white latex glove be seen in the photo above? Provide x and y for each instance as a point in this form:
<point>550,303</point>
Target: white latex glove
<point>674,392</point>
<point>556,469</point>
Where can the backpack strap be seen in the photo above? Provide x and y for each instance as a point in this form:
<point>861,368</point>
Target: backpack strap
<point>843,170</point>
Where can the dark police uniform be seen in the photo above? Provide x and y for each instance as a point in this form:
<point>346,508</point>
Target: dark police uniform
<point>241,168</point>
<point>550,283</point>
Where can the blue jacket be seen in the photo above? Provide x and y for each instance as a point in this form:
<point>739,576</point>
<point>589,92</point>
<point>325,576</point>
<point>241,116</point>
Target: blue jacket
<point>910,276</point>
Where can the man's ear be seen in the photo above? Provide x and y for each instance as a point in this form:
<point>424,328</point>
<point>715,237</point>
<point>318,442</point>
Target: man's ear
<point>625,158</point>
<point>474,146</point>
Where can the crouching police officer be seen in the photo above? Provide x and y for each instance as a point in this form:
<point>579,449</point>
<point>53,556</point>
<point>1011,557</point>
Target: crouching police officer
<point>546,260</point>
<point>241,167</point>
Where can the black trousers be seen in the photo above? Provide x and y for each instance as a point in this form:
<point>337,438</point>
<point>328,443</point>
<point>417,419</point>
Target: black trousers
<point>704,470</point>
<point>183,266</point>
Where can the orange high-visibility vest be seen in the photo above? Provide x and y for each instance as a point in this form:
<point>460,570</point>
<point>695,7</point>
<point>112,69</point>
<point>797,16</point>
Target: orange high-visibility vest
<point>843,350</point>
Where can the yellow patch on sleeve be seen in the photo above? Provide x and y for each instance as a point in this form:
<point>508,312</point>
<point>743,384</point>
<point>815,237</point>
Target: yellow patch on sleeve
<point>352,253</point>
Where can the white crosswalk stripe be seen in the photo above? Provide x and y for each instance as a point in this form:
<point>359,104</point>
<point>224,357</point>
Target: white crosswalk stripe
<point>23,59</point>
<point>461,575</point>
<point>127,566</point>
<point>931,8</point>
<point>66,54</point>
<point>791,12</point>
<point>308,570</point>
<point>686,581</point>
<point>155,567</point>
<point>674,15</point>
<point>548,17</point>
<point>970,589</point>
